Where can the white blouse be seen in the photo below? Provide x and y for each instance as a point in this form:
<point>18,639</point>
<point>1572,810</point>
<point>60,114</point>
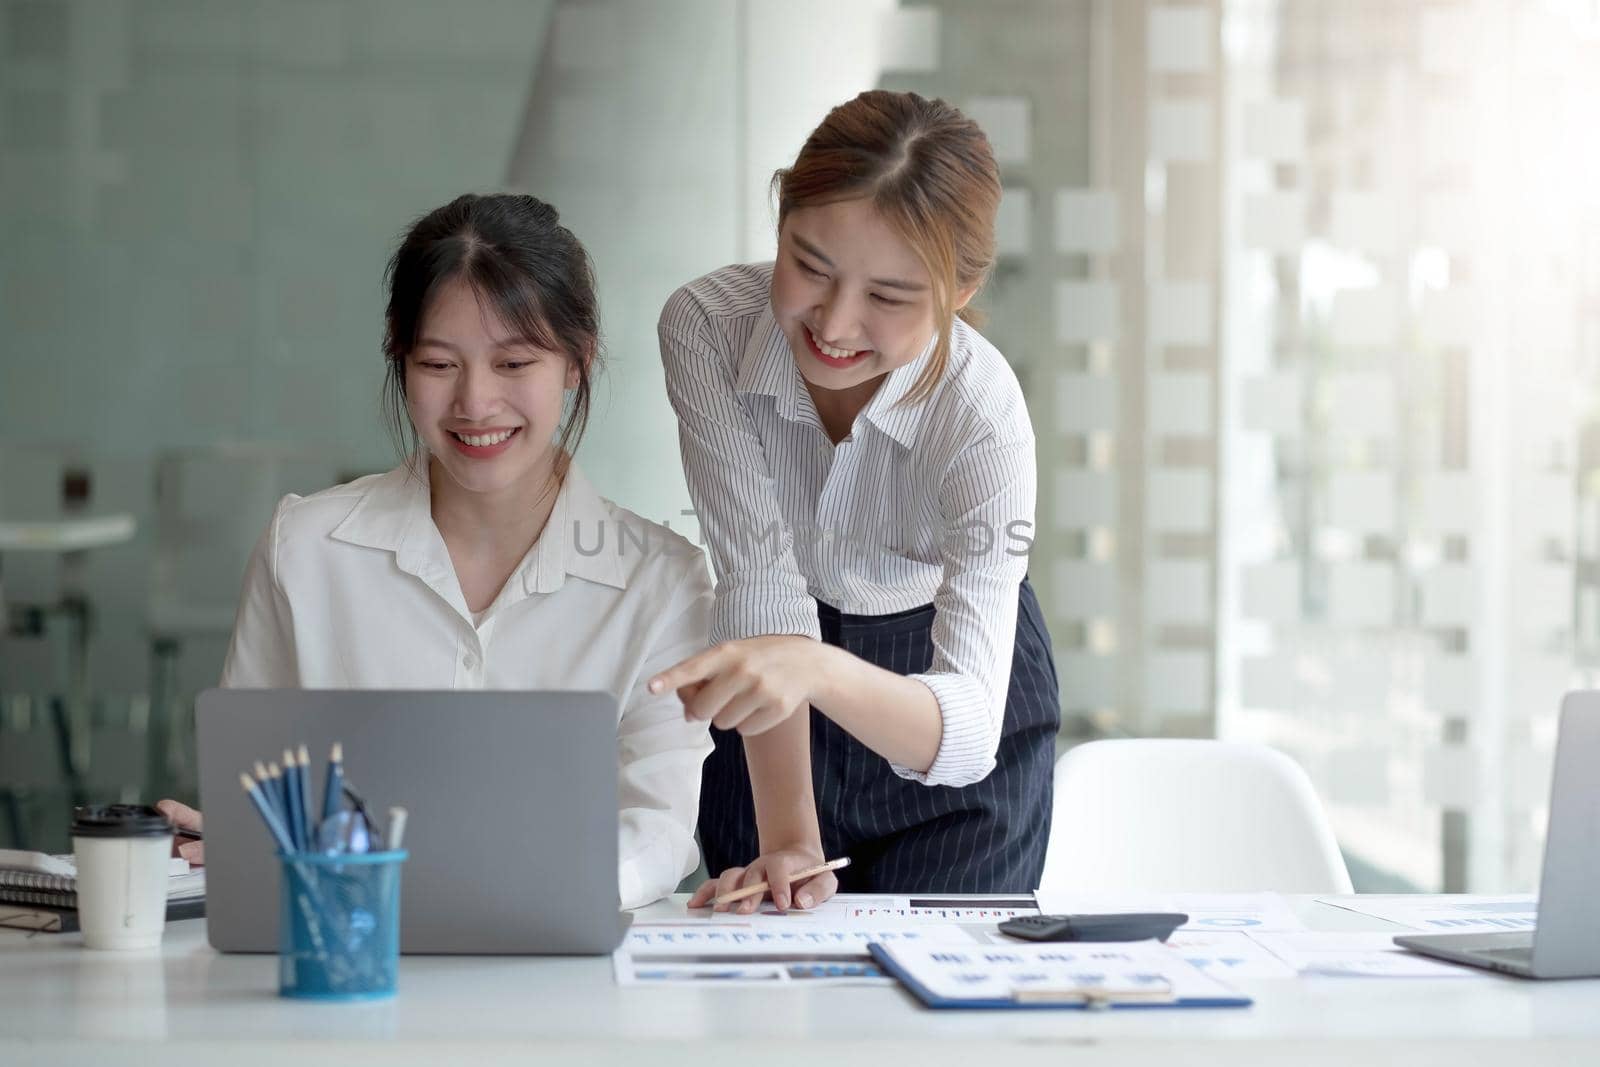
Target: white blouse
<point>922,503</point>
<point>353,587</point>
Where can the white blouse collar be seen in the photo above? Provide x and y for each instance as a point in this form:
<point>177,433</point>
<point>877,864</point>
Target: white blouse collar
<point>579,539</point>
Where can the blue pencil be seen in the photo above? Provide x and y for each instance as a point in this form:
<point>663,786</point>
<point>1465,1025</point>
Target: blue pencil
<point>274,792</point>
<point>307,812</point>
<point>264,780</point>
<point>333,786</point>
<point>274,827</point>
<point>291,790</point>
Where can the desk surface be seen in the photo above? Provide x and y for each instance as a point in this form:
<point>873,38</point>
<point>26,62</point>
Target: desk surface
<point>61,1004</point>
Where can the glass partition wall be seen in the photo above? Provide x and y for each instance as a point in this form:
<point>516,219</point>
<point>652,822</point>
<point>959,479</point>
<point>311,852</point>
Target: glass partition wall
<point>1305,299</point>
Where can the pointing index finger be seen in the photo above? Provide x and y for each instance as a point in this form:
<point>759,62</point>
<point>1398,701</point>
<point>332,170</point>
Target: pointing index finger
<point>697,668</point>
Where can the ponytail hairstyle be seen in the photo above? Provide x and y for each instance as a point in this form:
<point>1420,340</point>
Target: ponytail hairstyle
<point>929,172</point>
<point>523,265</point>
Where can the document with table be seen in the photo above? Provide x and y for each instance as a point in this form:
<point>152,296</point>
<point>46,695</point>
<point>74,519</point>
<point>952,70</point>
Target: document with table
<point>827,944</point>
<point>933,944</point>
<point>1144,974</point>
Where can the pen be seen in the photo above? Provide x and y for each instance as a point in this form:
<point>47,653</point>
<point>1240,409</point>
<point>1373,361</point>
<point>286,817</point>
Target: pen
<point>184,831</point>
<point>397,827</point>
<point>274,827</point>
<point>762,887</point>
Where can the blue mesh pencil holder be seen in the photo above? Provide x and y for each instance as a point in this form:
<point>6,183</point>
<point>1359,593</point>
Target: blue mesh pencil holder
<point>339,925</point>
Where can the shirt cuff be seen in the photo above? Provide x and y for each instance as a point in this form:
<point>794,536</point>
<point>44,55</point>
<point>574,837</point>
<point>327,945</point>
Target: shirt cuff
<point>971,734</point>
<point>634,889</point>
<point>630,887</point>
<point>738,614</point>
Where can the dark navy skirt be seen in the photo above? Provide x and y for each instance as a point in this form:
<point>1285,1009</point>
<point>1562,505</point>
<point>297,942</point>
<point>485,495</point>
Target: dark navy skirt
<point>902,836</point>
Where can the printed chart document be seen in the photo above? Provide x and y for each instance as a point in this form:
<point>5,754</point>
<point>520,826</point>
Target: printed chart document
<point>827,944</point>
<point>1447,915</point>
<point>1228,954</point>
<point>854,909</point>
<point>1357,955</point>
<point>1208,912</point>
<point>1059,975</point>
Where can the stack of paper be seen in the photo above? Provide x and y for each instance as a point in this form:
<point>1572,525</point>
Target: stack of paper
<point>39,891</point>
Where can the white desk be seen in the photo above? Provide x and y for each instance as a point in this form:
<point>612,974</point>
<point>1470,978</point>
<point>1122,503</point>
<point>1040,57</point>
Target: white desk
<point>62,1005</point>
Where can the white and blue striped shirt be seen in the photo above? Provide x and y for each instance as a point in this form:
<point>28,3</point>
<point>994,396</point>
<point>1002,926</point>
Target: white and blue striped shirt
<point>926,502</point>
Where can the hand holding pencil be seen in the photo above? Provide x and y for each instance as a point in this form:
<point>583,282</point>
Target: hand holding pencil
<point>790,876</point>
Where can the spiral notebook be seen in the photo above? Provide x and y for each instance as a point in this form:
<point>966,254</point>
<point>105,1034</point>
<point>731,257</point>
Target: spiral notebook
<point>53,919</point>
<point>51,881</point>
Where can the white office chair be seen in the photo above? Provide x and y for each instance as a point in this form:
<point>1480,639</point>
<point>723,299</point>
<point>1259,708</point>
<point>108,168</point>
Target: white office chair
<point>1188,816</point>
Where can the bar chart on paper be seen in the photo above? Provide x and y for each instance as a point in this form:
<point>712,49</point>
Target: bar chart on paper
<point>1228,954</point>
<point>930,909</point>
<point>856,909</point>
<point>767,951</point>
<point>825,944</point>
<point>1454,915</point>
<point>1356,954</point>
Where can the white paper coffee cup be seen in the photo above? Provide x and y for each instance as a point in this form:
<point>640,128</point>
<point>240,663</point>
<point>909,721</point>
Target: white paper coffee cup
<point>123,854</point>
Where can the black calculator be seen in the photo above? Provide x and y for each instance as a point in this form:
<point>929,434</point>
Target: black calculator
<point>1126,927</point>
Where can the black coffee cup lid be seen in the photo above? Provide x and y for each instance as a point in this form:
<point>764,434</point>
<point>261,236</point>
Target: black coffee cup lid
<point>119,820</point>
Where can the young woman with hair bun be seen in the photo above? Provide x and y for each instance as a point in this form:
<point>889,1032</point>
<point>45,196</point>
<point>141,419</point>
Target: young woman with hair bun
<point>486,560</point>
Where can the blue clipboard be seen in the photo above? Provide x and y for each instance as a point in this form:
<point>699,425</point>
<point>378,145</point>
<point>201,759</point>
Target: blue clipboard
<point>1081,1000</point>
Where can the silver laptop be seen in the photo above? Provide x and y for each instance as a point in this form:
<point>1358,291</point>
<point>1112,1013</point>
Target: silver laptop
<point>511,801</point>
<point>1566,942</point>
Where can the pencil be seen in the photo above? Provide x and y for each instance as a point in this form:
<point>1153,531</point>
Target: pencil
<point>306,812</point>
<point>274,827</point>
<point>295,819</point>
<point>762,887</point>
<point>264,780</point>
<point>333,786</point>
<point>274,791</point>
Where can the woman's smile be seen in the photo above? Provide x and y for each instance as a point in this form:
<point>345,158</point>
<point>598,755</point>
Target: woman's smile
<point>831,356</point>
<point>483,444</point>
